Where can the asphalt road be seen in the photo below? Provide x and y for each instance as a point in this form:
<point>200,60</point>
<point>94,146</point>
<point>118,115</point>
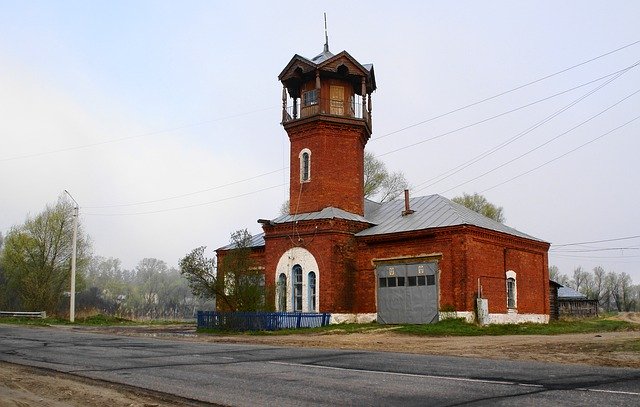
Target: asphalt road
<point>250,375</point>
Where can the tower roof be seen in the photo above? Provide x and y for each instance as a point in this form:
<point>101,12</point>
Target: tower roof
<point>301,69</point>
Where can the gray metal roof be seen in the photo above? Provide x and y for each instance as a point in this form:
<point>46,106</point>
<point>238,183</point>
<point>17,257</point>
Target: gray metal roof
<point>321,57</point>
<point>256,241</point>
<point>570,293</point>
<point>433,211</point>
<point>326,213</point>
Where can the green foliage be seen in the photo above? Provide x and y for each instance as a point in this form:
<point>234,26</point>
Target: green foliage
<point>379,184</point>
<point>458,327</point>
<point>200,272</point>
<point>479,203</point>
<point>36,258</point>
<point>237,284</point>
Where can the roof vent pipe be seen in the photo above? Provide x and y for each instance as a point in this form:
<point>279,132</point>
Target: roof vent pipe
<point>407,209</point>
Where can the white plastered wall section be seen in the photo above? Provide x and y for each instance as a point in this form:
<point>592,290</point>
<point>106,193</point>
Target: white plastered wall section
<point>508,318</point>
<point>304,259</point>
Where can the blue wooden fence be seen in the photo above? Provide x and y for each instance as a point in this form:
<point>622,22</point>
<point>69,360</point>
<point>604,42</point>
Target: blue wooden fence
<point>260,321</point>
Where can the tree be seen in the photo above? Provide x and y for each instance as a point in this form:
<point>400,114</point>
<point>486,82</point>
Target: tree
<point>480,204</point>
<point>150,279</point>
<point>236,284</point>
<point>36,257</point>
<point>379,184</point>
<point>557,276</point>
<point>200,272</point>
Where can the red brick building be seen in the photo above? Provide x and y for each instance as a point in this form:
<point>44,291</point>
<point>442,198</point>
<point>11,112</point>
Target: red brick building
<point>412,260</point>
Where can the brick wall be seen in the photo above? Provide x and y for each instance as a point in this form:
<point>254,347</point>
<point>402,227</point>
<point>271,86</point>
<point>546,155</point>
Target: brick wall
<point>337,165</point>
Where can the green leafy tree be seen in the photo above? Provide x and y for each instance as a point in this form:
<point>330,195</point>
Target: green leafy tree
<point>36,257</point>
<point>236,284</point>
<point>480,204</point>
<point>379,184</point>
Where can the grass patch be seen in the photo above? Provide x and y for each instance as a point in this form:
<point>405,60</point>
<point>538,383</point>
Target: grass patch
<point>458,327</point>
<point>339,329</point>
<point>453,327</point>
<point>91,320</point>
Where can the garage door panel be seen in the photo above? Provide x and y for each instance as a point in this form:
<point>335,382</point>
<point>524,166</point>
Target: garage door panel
<point>407,293</point>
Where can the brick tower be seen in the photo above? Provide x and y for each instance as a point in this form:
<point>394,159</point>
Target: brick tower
<point>326,111</point>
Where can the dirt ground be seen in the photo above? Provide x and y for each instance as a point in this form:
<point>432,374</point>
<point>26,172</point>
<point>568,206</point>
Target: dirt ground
<point>20,386</point>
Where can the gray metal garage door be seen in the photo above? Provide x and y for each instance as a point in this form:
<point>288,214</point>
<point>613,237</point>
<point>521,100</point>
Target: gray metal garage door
<point>407,293</point>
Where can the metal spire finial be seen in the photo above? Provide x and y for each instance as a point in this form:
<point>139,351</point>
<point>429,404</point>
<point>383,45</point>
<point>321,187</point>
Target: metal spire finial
<point>326,36</point>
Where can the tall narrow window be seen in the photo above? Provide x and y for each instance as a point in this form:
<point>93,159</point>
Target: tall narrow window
<point>312,291</point>
<point>305,165</point>
<point>297,288</point>
<point>282,292</point>
<point>512,293</point>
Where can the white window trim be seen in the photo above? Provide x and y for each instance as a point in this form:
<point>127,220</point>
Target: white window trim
<point>307,261</point>
<point>304,150</point>
<point>512,274</point>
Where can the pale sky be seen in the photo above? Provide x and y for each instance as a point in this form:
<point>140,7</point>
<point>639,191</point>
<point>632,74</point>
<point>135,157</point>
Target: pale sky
<point>162,118</point>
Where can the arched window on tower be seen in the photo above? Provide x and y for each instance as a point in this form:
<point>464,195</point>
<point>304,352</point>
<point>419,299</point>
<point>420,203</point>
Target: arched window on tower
<point>311,284</point>
<point>305,165</point>
<point>297,288</point>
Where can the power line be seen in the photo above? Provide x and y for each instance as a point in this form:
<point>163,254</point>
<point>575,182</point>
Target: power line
<point>281,169</point>
<point>186,206</point>
<point>543,144</point>
<point>271,172</point>
<point>563,155</point>
<point>189,193</point>
<point>503,93</point>
<point>617,239</point>
<point>492,150</point>
<point>595,257</point>
<point>605,249</point>
<point>83,146</point>
<point>502,114</point>
<point>116,140</point>
<point>236,182</point>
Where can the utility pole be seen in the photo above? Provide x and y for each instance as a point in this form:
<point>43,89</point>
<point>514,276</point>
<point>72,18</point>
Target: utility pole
<point>72,298</point>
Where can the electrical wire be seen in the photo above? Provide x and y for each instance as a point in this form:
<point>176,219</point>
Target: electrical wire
<point>617,239</point>
<point>543,144</point>
<point>457,169</point>
<point>504,113</point>
<point>605,249</point>
<point>189,193</point>
<point>504,93</point>
<point>187,206</point>
<point>117,140</point>
<point>563,155</point>
<point>271,172</point>
<point>83,146</point>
